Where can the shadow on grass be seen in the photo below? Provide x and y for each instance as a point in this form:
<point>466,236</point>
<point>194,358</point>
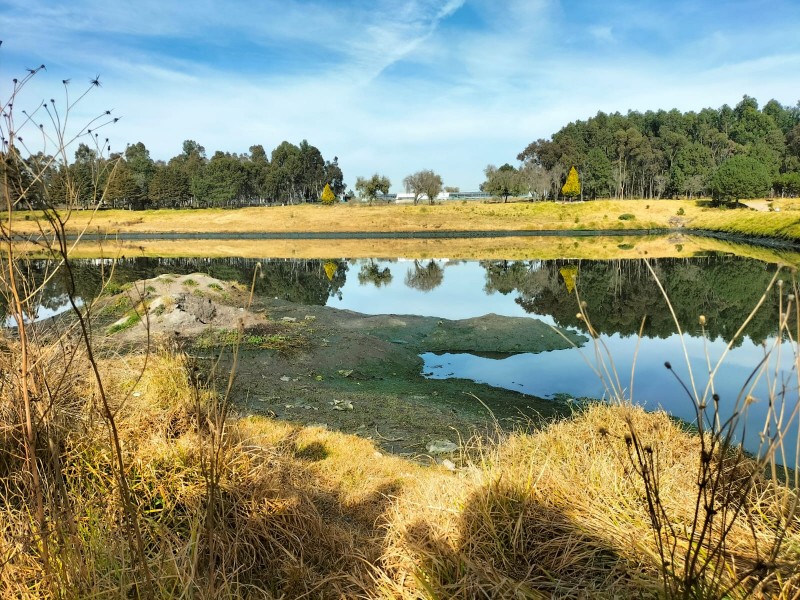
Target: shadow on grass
<point>507,545</point>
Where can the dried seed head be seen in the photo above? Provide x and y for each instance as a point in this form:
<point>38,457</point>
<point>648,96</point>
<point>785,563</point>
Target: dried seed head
<point>702,320</point>
<point>584,304</point>
<point>668,365</point>
<point>780,283</point>
<point>579,316</point>
<point>791,297</point>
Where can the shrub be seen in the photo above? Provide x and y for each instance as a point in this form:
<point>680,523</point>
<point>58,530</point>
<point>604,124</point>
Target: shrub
<point>627,217</point>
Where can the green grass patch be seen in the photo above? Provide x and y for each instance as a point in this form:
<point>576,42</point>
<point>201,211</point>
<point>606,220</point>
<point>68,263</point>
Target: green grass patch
<point>126,324</point>
<point>117,306</point>
<point>282,338</point>
<point>627,217</point>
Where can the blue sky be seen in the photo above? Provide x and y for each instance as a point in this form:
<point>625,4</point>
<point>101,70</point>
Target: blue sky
<point>394,86</point>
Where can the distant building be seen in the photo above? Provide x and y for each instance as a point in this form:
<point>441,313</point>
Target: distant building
<point>408,198</point>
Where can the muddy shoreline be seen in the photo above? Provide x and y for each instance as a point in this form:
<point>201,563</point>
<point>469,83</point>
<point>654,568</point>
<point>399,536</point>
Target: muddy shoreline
<point>355,373</point>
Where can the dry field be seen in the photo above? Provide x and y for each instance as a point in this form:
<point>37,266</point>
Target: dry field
<point>457,216</point>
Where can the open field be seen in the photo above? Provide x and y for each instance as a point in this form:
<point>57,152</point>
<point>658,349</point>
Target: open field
<point>464,216</point>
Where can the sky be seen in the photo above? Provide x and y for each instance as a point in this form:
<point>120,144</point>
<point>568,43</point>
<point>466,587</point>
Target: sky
<point>391,86</point>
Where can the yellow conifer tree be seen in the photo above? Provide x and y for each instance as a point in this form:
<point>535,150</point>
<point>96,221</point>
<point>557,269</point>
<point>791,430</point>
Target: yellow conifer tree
<point>572,187</point>
<point>328,197</point>
<point>330,269</point>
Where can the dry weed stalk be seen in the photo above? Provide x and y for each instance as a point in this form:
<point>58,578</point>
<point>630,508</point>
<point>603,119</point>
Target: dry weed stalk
<point>732,541</point>
<point>35,395</point>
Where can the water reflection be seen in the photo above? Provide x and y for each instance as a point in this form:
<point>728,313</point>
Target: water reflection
<point>618,295</point>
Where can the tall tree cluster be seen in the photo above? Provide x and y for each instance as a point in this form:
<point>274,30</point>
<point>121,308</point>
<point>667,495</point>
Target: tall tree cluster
<point>666,153</point>
<point>132,179</point>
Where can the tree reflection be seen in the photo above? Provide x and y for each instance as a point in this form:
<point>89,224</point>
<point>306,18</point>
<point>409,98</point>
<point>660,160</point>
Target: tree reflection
<point>424,278</point>
<point>301,281</point>
<point>620,293</point>
<point>371,273</point>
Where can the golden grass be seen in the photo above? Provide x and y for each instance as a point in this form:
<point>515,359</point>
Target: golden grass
<point>464,217</point>
<point>559,513</point>
<point>307,512</point>
<point>784,224</point>
<point>451,216</point>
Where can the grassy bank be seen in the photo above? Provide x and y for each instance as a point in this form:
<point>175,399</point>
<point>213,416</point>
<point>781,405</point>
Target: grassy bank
<point>464,216</point>
<point>569,218</point>
<point>305,512</point>
<point>510,248</point>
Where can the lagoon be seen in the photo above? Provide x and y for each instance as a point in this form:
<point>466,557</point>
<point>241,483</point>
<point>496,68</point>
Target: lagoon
<point>619,294</point>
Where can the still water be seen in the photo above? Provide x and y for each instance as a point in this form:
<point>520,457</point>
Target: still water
<point>618,295</point>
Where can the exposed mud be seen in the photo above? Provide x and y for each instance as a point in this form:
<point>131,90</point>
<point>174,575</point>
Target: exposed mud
<point>352,372</point>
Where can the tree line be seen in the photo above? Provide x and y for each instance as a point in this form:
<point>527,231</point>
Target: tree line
<point>662,154</point>
<point>132,179</point>
<point>726,153</point>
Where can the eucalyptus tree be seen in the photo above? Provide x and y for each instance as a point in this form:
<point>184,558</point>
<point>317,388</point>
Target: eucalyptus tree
<point>423,183</point>
<point>503,182</point>
<point>192,161</point>
<point>536,180</point>
<point>334,176</point>
<point>597,177</point>
<point>283,181</point>
<point>225,179</point>
<point>424,277</point>
<point>257,167</point>
<point>371,273</point>
<point>141,166</point>
<point>368,188</point>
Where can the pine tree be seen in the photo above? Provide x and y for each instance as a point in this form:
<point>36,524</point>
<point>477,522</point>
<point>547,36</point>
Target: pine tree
<point>572,188</point>
<point>328,197</point>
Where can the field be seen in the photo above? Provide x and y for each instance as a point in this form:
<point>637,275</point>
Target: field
<point>458,216</point>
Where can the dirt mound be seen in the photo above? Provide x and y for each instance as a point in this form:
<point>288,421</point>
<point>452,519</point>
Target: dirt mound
<point>183,306</point>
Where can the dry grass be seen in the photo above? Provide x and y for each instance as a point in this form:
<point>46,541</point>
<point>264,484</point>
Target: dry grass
<point>355,217</point>
<point>307,512</point>
<point>560,514</point>
<point>455,216</point>
<point>784,224</point>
